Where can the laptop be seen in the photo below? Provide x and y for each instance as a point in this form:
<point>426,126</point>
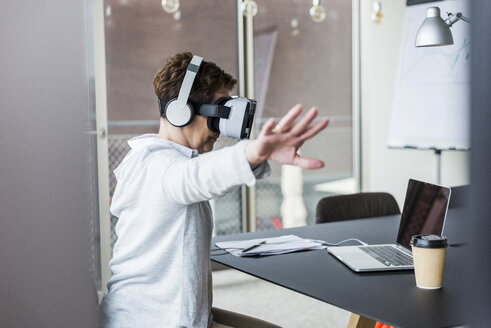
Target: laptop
<point>424,212</point>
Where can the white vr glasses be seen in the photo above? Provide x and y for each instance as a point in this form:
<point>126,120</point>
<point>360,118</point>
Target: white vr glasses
<point>231,116</point>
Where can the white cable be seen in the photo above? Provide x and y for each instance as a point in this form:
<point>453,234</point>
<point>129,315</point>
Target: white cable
<point>337,244</point>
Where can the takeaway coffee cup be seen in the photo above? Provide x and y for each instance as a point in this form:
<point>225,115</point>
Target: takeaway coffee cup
<point>429,260</point>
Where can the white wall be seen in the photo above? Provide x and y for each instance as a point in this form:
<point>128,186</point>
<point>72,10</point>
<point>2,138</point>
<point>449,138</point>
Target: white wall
<point>44,166</point>
<point>385,169</point>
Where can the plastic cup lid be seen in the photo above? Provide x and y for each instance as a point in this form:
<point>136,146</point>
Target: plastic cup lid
<point>429,241</point>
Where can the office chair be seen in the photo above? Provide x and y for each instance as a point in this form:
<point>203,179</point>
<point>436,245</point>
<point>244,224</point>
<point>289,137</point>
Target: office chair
<point>355,206</point>
<point>459,195</point>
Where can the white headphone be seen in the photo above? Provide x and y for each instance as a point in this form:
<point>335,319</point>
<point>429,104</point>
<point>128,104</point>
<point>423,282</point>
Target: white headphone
<point>178,111</point>
<point>231,116</point>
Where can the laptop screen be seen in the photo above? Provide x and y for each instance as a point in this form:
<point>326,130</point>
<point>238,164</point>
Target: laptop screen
<point>424,211</point>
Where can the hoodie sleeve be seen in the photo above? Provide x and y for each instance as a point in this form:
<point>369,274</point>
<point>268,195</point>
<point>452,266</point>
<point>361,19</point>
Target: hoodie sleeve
<point>211,175</point>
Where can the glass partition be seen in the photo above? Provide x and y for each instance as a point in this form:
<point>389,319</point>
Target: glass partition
<point>140,36</point>
<point>298,60</point>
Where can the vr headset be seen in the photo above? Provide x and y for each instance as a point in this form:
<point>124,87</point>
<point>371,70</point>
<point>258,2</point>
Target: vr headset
<point>231,116</point>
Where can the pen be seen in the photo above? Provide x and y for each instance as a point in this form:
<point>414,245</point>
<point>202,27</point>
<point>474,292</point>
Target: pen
<point>253,246</point>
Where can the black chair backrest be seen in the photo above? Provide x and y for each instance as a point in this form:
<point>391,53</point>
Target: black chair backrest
<point>459,195</point>
<point>355,206</point>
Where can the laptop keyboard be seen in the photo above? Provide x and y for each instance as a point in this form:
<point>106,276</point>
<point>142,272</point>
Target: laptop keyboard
<point>388,255</point>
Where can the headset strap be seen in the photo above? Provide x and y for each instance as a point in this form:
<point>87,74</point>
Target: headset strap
<point>210,110</point>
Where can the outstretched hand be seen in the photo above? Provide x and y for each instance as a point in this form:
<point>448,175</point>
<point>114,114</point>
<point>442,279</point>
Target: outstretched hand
<point>281,142</point>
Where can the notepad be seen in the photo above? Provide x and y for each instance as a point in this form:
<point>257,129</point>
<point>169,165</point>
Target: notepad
<point>269,246</point>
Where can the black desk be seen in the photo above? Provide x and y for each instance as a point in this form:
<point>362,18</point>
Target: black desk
<point>391,297</point>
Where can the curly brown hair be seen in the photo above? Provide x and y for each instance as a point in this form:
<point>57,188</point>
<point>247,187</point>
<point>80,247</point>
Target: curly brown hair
<point>209,79</point>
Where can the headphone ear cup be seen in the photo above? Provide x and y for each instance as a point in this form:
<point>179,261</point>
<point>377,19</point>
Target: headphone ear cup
<point>177,115</point>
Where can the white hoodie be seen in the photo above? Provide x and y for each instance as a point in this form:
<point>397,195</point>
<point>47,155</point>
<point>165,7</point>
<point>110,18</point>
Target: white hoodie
<point>161,260</point>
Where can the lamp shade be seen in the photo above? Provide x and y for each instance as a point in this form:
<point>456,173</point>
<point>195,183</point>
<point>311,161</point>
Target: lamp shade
<point>434,31</point>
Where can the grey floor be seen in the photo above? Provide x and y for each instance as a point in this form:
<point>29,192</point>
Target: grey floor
<point>239,292</point>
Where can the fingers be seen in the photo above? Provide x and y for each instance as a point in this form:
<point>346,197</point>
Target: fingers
<point>302,128</point>
<point>308,163</point>
<point>267,128</point>
<point>286,121</point>
<point>301,125</point>
<point>314,129</point>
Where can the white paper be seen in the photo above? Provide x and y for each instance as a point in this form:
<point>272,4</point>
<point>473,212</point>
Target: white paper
<point>272,246</point>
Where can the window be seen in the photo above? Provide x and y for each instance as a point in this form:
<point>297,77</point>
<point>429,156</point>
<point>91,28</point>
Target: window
<point>300,61</point>
<point>140,36</point>
<point>296,60</point>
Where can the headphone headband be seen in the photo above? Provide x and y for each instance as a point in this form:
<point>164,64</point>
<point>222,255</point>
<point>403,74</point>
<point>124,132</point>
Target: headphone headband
<point>188,81</point>
<point>177,111</point>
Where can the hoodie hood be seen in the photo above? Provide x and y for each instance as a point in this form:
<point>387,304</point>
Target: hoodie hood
<point>152,143</point>
<point>143,146</point>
